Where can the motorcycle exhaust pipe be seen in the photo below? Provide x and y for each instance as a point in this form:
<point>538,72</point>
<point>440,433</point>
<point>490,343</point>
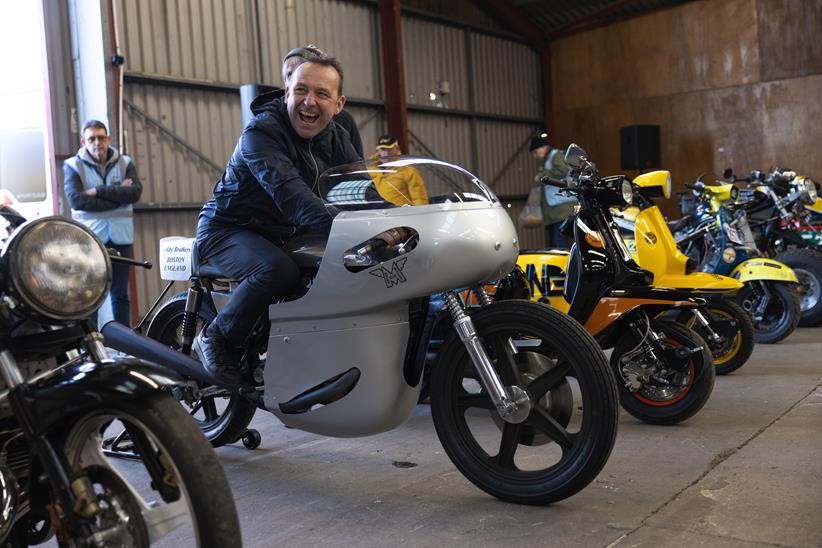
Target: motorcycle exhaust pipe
<point>120,337</point>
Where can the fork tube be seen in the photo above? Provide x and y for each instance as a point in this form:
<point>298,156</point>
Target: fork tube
<point>514,404</point>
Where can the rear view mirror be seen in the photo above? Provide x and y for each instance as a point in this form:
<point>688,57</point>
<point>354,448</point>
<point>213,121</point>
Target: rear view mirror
<point>728,173</point>
<point>575,156</point>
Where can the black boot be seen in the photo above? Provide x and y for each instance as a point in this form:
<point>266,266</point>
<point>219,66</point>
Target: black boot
<point>217,355</point>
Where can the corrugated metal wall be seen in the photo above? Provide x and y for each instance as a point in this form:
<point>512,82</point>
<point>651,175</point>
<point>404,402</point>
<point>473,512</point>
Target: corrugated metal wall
<point>239,41</point>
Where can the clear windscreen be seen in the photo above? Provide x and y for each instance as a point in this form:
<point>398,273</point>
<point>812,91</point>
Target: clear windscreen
<point>400,181</point>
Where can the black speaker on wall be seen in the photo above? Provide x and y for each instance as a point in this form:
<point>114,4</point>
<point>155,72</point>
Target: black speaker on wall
<point>639,146</point>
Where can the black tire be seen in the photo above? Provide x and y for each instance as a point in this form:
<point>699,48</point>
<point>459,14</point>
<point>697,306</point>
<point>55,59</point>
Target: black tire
<point>652,402</point>
<point>735,352</point>
<point>561,358</point>
<point>176,440</point>
<point>220,427</point>
<point>807,265</point>
<point>781,315</point>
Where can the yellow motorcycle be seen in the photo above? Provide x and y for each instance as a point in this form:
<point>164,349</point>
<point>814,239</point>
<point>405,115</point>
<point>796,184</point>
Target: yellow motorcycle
<point>720,239</point>
<point>664,370</point>
<point>724,325</point>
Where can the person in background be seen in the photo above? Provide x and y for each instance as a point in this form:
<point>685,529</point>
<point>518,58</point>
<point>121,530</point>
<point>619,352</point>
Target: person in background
<point>401,185</point>
<point>555,207</point>
<point>101,185</point>
<point>297,57</point>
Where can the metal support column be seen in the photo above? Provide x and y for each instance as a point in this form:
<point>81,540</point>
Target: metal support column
<point>396,112</point>
<point>547,92</point>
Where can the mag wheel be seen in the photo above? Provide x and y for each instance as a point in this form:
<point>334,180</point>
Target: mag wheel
<point>807,265</point>
<point>734,324</point>
<point>662,392</point>
<point>222,416</point>
<point>568,435</point>
<point>780,315</point>
<point>176,491</point>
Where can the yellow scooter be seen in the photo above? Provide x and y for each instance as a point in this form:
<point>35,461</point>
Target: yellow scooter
<point>719,235</point>
<point>724,325</point>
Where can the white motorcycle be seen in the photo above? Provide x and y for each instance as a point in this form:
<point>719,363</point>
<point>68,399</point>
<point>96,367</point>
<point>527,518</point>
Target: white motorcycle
<point>521,395</point>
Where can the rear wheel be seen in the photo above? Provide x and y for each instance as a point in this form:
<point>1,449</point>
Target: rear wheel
<point>663,391</point>
<point>568,435</point>
<point>221,415</point>
<point>807,265</point>
<point>781,313</point>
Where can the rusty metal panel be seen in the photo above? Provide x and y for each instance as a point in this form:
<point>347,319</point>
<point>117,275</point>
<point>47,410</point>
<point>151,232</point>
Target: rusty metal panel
<point>435,61</point>
<point>789,38</point>
<point>504,160</point>
<point>507,77</point>
<point>209,122</point>
<point>213,40</point>
<point>699,45</point>
<point>346,30</point>
<point>445,137</point>
<point>371,124</point>
<point>149,227</point>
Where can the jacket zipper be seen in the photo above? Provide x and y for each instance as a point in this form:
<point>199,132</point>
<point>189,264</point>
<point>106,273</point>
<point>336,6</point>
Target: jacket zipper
<point>316,167</point>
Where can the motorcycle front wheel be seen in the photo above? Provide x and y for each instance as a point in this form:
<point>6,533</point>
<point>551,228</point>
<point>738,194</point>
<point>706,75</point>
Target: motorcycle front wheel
<point>668,396</point>
<point>568,435</point>
<point>781,314</point>
<point>174,489</point>
<point>222,416</point>
<point>738,347</point>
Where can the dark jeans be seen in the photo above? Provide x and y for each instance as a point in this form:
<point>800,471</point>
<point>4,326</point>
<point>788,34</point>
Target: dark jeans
<point>264,271</point>
<point>120,305</point>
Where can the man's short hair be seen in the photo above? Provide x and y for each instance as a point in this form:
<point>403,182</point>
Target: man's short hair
<point>328,61</point>
<point>313,54</point>
<point>94,124</point>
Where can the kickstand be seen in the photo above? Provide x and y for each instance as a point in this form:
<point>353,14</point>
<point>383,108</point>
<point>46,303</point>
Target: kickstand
<point>120,447</point>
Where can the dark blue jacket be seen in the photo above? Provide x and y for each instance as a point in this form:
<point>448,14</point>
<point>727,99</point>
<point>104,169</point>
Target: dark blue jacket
<point>270,182</point>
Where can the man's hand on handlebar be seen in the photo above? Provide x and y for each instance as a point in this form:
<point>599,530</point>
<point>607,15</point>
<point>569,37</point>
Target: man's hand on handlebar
<point>393,236</point>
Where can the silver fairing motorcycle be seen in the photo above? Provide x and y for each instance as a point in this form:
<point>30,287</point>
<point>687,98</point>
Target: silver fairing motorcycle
<point>521,396</point>
<point>61,396</point>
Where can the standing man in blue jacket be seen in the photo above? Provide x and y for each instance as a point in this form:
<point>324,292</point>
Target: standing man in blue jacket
<point>101,185</point>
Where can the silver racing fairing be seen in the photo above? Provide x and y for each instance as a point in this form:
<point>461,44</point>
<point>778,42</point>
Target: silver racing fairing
<point>355,315</point>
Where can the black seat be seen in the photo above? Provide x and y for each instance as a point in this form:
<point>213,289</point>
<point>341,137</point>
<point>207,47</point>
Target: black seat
<point>306,250</point>
<point>679,224</point>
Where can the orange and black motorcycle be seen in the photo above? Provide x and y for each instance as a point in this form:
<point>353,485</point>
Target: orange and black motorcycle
<point>664,370</point>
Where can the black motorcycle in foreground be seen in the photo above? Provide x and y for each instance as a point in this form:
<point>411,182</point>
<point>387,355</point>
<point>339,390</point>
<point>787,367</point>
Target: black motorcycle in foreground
<point>62,398</point>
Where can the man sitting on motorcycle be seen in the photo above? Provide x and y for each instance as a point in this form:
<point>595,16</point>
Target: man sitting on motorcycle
<point>265,197</point>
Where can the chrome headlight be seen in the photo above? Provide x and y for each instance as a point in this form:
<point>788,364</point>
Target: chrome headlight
<point>58,268</point>
<point>810,187</point>
<point>627,191</point>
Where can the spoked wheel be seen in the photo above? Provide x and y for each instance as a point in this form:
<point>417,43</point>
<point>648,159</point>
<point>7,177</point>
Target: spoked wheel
<point>781,314</point>
<point>568,435</point>
<point>661,393</point>
<point>177,491</point>
<point>222,416</point>
<point>738,342</point>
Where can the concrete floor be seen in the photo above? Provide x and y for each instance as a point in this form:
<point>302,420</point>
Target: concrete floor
<point>746,471</point>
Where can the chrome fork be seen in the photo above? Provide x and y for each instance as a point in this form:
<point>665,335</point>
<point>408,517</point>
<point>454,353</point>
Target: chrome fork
<point>512,402</point>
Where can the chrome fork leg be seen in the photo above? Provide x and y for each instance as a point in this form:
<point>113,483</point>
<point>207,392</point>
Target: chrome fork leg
<point>703,321</point>
<point>512,402</point>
